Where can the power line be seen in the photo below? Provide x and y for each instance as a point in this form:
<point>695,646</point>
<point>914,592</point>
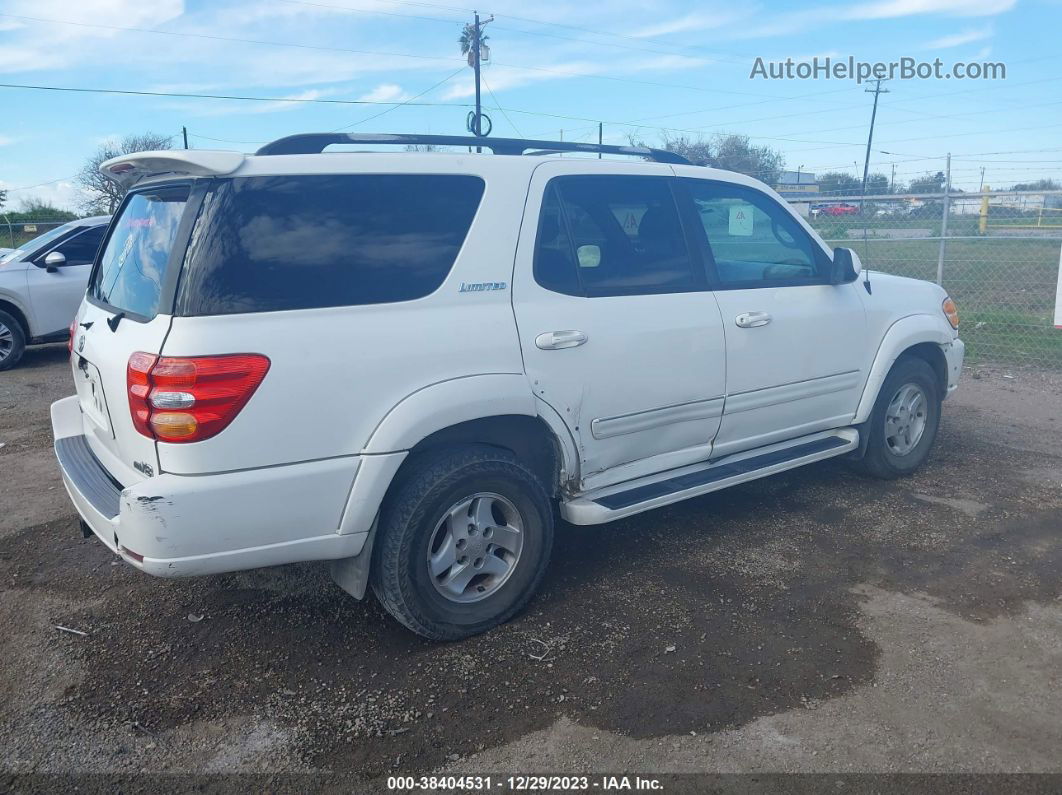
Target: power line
<point>212,37</point>
<point>503,113</point>
<point>238,97</point>
<point>403,103</point>
<point>264,42</point>
<point>732,57</point>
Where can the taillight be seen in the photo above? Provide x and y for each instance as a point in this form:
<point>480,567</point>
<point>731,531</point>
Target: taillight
<point>190,398</point>
<point>70,339</point>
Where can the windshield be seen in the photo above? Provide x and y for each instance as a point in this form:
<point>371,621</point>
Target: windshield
<point>133,264</point>
<point>38,242</point>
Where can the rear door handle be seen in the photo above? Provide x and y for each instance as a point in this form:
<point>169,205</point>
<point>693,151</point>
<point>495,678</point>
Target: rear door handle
<point>556,340</point>
<point>752,319</point>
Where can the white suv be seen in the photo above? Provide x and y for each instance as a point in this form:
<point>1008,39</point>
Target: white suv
<point>42,283</point>
<point>404,362</point>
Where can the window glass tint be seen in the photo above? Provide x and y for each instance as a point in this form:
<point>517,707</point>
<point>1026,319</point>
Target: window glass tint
<point>555,267</point>
<point>81,249</point>
<point>753,240</point>
<point>265,244</point>
<point>611,235</point>
<point>133,263</point>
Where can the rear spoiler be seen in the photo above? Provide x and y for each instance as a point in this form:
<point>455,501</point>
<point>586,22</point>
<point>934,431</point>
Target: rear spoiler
<point>127,170</point>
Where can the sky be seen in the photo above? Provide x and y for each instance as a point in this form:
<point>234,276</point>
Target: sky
<point>557,67</point>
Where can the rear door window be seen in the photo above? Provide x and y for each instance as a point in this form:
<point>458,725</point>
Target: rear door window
<point>133,264</point>
<point>612,235</point>
<point>264,244</point>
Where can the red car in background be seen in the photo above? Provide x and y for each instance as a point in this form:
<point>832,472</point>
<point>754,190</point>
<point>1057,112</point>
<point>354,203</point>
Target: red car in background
<point>839,209</point>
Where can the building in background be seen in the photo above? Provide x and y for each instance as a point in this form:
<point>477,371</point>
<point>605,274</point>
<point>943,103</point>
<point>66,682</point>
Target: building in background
<point>798,187</point>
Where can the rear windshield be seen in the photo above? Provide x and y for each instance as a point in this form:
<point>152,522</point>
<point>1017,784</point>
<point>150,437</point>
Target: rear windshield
<point>264,244</point>
<point>133,263</point>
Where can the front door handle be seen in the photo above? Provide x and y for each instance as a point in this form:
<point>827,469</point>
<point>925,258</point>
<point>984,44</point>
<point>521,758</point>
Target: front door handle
<point>556,340</point>
<point>752,319</point>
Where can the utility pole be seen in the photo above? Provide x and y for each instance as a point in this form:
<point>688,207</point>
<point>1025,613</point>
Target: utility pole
<point>870,137</point>
<point>184,132</point>
<point>600,133</point>
<point>981,187</point>
<point>475,58</point>
<point>892,180</point>
<point>944,221</point>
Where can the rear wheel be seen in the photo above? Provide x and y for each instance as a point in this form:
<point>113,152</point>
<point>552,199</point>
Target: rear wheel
<point>464,540</point>
<point>12,341</point>
<point>904,423</point>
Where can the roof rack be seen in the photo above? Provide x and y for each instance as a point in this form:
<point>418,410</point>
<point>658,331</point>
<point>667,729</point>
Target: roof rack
<point>314,143</point>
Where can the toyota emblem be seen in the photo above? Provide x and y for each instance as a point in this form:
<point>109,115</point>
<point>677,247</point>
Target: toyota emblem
<point>81,344</point>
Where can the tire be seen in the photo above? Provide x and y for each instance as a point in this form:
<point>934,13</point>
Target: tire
<point>12,341</point>
<point>434,514</point>
<point>900,454</point>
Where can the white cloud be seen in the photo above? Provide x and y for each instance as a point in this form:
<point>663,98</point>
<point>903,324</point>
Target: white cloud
<point>385,92</point>
<point>225,108</point>
<point>500,77</point>
<point>48,45</point>
<point>822,16</point>
<point>697,20</point>
<point>64,194</point>
<point>958,39</point>
<point>889,9</point>
<point>7,140</point>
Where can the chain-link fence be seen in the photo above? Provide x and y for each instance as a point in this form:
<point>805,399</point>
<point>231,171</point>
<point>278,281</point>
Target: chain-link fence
<point>16,231</point>
<point>996,253</point>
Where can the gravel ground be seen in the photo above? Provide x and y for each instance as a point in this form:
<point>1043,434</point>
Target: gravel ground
<point>811,622</point>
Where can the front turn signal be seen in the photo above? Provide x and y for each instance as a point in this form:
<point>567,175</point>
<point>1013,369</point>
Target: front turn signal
<point>951,312</point>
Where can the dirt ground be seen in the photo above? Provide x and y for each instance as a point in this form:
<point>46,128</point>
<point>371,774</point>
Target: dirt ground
<point>811,622</point>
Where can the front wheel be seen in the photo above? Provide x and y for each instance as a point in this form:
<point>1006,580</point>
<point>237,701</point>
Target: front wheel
<point>464,540</point>
<point>904,423</point>
<point>12,341</point>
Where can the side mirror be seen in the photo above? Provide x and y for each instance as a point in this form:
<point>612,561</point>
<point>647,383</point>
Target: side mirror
<point>54,261</point>
<point>846,266</point>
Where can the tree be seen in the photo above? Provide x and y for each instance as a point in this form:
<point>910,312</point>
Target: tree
<point>838,183</point>
<point>732,152</point>
<point>103,195</point>
<point>3,197</point>
<point>696,150</point>
<point>468,38</point>
<point>1040,184</point>
<point>735,153</point>
<point>877,185</point>
<point>929,183</point>
<point>40,210</point>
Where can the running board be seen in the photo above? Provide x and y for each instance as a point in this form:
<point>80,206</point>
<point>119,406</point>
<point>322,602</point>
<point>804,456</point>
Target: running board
<point>625,499</point>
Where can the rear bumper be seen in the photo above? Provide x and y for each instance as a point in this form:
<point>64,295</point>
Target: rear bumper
<point>179,526</point>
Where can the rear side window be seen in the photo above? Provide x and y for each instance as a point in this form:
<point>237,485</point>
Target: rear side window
<point>612,235</point>
<point>133,263</point>
<point>265,244</point>
<point>81,248</point>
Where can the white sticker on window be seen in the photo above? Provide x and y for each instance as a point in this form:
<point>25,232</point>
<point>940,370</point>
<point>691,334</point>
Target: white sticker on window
<point>741,220</point>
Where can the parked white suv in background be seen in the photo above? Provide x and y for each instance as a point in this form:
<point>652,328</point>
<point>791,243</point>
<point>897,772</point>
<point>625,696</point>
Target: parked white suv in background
<point>403,362</point>
<point>42,282</point>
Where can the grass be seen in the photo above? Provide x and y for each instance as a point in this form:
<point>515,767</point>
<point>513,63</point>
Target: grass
<point>1005,290</point>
